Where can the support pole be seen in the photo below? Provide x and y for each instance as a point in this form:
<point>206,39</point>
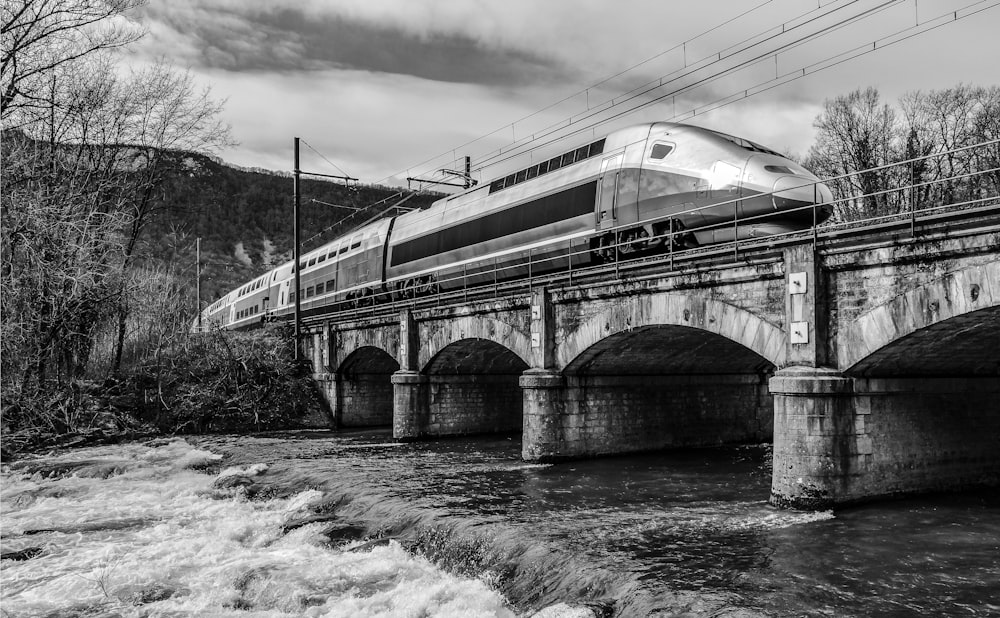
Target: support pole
<point>197,270</point>
<point>296,249</point>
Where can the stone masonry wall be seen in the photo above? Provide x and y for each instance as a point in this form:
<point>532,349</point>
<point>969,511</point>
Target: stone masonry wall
<point>928,434</point>
<point>467,404</point>
<point>365,400</point>
<point>619,414</point>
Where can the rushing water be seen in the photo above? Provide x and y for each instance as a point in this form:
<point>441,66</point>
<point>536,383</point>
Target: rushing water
<point>355,524</point>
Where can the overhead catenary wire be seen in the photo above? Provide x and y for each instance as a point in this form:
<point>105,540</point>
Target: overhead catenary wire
<point>322,156</point>
<point>807,15</point>
<point>597,84</point>
<point>558,130</point>
<point>788,77</point>
<point>696,66</point>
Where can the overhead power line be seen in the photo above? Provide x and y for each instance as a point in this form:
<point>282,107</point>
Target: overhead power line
<point>332,164</point>
<point>612,109</point>
<point>745,46</point>
<point>788,77</point>
<point>809,15</point>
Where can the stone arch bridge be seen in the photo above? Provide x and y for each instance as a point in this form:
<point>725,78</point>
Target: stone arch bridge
<point>871,359</point>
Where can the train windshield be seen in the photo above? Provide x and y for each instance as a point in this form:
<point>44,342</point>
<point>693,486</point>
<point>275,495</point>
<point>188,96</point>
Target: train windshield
<point>745,143</point>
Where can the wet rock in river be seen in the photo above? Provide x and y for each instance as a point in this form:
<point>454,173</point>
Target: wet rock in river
<point>22,554</point>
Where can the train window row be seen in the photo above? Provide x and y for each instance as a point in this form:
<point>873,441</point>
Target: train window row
<point>249,311</point>
<point>334,251</point>
<point>316,290</point>
<point>250,287</point>
<point>579,154</point>
<point>536,213</point>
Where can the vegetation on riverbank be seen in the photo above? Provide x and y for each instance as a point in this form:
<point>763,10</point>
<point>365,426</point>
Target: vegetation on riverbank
<point>198,383</point>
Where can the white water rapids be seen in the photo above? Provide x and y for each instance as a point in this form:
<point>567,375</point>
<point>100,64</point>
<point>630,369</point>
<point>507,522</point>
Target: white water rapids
<point>142,530</point>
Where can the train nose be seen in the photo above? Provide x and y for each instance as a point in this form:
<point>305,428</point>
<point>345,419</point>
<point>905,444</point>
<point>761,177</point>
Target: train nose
<point>798,193</point>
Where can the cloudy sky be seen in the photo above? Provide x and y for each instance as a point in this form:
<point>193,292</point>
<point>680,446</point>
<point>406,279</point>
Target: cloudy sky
<point>386,89</point>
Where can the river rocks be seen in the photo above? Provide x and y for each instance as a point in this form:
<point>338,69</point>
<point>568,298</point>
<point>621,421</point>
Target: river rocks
<point>370,545</point>
<point>22,554</point>
<point>564,610</point>
<point>339,533</point>
<point>141,595</point>
<point>244,480</point>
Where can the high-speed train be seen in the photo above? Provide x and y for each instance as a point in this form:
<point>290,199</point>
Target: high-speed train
<point>633,191</point>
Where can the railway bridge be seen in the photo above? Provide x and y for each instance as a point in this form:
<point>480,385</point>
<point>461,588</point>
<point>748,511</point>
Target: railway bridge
<point>871,358</point>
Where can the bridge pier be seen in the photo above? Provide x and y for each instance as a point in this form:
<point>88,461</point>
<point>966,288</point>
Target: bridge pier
<point>817,448</point>
<point>410,411</point>
<point>543,435</point>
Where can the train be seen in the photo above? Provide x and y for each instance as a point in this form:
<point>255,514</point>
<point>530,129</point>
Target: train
<point>636,191</point>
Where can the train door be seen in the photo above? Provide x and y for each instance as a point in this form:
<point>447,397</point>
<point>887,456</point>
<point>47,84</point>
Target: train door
<point>607,192</point>
<point>283,296</point>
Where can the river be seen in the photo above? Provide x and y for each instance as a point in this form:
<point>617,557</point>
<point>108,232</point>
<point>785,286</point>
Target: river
<point>354,524</point>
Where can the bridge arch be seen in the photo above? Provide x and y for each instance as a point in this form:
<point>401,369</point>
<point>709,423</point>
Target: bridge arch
<point>444,333</point>
<point>364,388</point>
<point>946,326</point>
<point>349,342</point>
<point>473,388</point>
<point>730,322</point>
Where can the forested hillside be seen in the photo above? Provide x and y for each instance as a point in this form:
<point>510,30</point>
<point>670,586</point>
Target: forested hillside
<point>244,218</point>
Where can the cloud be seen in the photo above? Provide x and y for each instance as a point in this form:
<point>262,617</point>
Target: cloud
<point>255,37</point>
<point>382,86</point>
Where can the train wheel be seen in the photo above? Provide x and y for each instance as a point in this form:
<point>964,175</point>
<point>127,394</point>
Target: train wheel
<point>682,239</point>
<point>424,286</point>
<point>405,291</point>
<point>604,248</point>
<point>633,242</point>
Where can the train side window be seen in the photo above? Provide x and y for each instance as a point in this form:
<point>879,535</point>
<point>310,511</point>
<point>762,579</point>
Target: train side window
<point>555,163</point>
<point>356,243</point>
<point>331,285</point>
<point>312,262</point>
<point>520,176</point>
<point>596,148</point>
<point>321,259</point>
<point>509,181</point>
<point>581,153</point>
<point>532,172</point>
<point>567,159</point>
<point>343,248</point>
<point>660,151</point>
<point>543,167</point>
<point>310,291</point>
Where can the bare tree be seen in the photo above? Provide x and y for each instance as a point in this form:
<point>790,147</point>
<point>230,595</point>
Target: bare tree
<point>857,133</point>
<point>986,128</point>
<point>86,145</point>
<point>40,36</point>
<point>944,121</point>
